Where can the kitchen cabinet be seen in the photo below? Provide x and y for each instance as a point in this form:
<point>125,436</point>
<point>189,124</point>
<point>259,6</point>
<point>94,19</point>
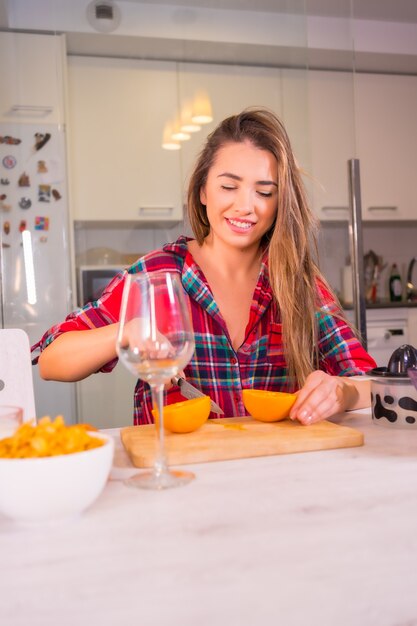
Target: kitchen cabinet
<point>386,135</point>
<point>371,117</point>
<point>295,116</point>
<point>229,89</point>
<point>332,141</point>
<point>106,402</point>
<point>118,109</point>
<point>117,112</point>
<point>32,71</point>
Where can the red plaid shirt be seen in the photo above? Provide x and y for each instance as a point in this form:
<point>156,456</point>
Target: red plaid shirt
<point>216,368</point>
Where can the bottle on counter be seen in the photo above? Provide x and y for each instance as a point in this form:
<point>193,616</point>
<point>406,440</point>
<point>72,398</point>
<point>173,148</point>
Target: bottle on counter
<point>395,284</point>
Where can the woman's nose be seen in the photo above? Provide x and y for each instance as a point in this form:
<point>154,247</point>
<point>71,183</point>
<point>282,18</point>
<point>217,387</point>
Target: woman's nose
<point>244,201</point>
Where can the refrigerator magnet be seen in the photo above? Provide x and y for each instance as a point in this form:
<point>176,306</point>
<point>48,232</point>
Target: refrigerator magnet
<point>6,228</point>
<point>24,180</point>
<point>41,223</point>
<point>25,203</point>
<point>4,181</point>
<point>42,169</point>
<point>10,141</point>
<point>9,161</point>
<point>44,193</point>
<point>56,194</point>
<point>22,226</point>
<point>43,239</point>
<point>41,139</point>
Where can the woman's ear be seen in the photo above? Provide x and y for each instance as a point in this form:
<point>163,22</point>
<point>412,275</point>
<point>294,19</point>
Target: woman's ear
<point>203,196</point>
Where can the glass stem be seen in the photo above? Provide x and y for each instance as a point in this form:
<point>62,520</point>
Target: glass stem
<point>160,465</point>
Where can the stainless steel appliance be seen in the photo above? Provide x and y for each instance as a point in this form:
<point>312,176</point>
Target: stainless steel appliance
<point>34,253</point>
<point>356,248</point>
<point>92,279</point>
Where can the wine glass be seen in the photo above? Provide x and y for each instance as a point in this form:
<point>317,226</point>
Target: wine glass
<point>155,341</point>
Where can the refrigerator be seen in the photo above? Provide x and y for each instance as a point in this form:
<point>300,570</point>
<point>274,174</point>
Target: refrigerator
<point>35,265</point>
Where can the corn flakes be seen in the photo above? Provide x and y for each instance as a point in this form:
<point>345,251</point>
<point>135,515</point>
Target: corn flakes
<point>48,438</point>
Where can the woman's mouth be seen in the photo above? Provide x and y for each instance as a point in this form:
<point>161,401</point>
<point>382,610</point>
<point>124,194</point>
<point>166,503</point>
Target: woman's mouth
<point>239,226</point>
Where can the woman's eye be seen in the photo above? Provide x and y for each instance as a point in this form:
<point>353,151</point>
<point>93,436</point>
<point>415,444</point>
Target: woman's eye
<point>228,187</point>
<point>265,194</point>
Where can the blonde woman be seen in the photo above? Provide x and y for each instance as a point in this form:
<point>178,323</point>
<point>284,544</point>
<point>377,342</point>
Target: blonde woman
<point>263,315</point>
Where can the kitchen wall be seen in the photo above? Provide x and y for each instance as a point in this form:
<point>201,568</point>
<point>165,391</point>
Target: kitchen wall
<point>395,242</point>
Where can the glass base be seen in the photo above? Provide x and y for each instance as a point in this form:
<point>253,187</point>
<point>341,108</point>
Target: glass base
<point>159,480</point>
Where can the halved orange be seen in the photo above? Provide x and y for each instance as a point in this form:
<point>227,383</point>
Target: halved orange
<point>268,406</point>
<point>184,417</point>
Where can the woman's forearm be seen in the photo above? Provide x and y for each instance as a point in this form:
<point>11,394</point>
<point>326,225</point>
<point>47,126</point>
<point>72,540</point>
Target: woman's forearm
<point>76,354</point>
<point>357,393</point>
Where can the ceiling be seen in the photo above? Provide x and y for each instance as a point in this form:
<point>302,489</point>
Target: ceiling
<point>403,12</point>
<point>396,55</point>
<point>385,10</point>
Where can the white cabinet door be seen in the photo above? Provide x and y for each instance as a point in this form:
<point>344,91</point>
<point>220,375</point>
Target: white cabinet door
<point>386,130</point>
<point>229,89</point>
<point>106,400</point>
<point>32,78</point>
<point>295,116</point>
<point>117,112</point>
<point>332,140</point>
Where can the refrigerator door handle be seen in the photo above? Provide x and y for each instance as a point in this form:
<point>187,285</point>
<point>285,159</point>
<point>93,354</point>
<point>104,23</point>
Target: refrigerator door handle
<point>356,248</point>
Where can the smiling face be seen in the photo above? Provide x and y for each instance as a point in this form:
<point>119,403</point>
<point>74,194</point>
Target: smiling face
<point>240,194</point>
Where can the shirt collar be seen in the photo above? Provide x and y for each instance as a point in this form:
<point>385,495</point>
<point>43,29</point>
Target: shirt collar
<point>178,247</point>
<point>197,288</point>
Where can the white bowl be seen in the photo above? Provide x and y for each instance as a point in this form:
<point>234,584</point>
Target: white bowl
<point>55,488</point>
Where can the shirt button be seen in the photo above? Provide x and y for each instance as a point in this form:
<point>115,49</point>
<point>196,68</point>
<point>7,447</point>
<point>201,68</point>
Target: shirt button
<point>233,361</point>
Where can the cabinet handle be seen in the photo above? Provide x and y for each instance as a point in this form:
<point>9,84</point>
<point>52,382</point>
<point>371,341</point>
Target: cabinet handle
<point>335,208</point>
<point>156,210</point>
<point>382,208</point>
<point>31,108</point>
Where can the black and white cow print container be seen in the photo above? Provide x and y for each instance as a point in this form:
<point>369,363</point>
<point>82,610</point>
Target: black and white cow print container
<point>394,402</point>
<point>393,393</point>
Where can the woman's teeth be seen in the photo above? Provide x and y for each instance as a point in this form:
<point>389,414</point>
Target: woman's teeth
<point>240,224</point>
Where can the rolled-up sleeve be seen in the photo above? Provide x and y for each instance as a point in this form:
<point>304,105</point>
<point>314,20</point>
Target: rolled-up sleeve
<point>340,351</point>
<point>101,312</point>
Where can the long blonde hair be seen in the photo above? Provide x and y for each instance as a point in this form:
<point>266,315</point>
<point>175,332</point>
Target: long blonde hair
<point>291,241</point>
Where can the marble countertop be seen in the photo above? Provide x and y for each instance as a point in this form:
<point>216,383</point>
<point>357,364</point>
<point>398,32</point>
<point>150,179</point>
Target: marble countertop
<point>318,538</point>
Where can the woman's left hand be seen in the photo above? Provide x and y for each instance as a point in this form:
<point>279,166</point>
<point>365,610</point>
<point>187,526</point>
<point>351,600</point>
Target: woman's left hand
<point>322,396</point>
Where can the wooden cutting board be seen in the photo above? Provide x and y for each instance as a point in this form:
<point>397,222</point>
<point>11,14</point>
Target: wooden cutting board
<point>237,438</point>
